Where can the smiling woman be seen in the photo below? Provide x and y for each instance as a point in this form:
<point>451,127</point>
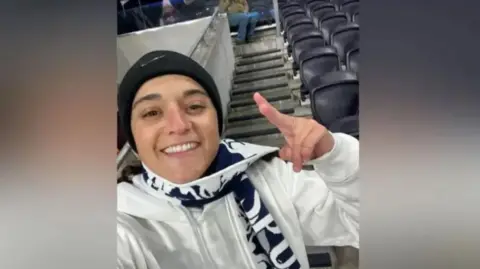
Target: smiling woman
<point>199,201</point>
<point>175,127</point>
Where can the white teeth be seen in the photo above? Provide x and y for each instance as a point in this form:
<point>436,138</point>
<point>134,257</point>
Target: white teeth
<point>181,148</point>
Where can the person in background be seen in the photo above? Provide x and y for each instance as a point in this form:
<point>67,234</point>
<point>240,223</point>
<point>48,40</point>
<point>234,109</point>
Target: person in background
<point>182,10</point>
<point>168,16</point>
<point>239,16</point>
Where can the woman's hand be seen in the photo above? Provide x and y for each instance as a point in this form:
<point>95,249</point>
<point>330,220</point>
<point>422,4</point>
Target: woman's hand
<point>305,138</point>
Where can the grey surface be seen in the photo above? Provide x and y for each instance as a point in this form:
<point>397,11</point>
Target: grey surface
<point>259,66</point>
<point>247,114</point>
<point>265,74</point>
<point>260,85</point>
<point>260,58</point>
<point>274,140</point>
<point>130,47</point>
<point>303,111</point>
<point>249,95</point>
<point>251,130</point>
<point>278,94</point>
<point>269,45</point>
<point>237,124</point>
<point>282,104</point>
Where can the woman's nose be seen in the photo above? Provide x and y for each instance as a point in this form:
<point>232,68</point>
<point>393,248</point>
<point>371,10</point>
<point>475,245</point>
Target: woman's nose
<point>177,121</point>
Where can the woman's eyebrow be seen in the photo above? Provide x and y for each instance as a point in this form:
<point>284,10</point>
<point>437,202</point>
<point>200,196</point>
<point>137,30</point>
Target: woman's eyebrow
<point>191,92</point>
<point>156,96</point>
<point>148,97</point>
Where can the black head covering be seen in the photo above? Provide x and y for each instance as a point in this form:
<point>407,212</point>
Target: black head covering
<point>158,63</point>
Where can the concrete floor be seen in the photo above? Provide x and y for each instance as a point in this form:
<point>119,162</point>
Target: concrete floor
<point>347,258</point>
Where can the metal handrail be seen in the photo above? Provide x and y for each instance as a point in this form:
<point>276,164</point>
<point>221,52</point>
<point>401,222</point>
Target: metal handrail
<point>126,148</point>
<point>212,19</point>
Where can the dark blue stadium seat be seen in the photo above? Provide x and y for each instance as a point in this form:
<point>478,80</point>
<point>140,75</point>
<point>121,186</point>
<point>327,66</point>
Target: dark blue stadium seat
<point>310,5</point>
<point>319,12</point>
<point>291,13</point>
<point>338,3</point>
<point>352,59</point>
<point>306,41</point>
<point>356,18</point>
<point>316,63</point>
<point>286,7</point>
<point>350,7</point>
<point>348,125</point>
<point>335,98</point>
<point>343,36</point>
<point>298,27</point>
<point>330,22</point>
<point>293,18</point>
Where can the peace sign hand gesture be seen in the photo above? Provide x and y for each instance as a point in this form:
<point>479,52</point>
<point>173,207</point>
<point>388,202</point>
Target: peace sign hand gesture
<point>305,138</point>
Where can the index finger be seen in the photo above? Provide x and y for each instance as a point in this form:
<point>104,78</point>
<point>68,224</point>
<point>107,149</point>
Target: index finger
<point>271,113</point>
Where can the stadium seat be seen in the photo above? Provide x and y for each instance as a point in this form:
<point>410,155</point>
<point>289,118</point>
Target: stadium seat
<point>338,3</point>
<point>288,16</point>
<point>343,36</point>
<point>348,125</point>
<point>310,6</point>
<point>290,12</point>
<point>335,98</point>
<point>330,22</point>
<point>356,18</point>
<point>320,11</point>
<point>352,60</point>
<point>298,27</point>
<point>350,7</point>
<point>305,41</point>
<point>288,6</point>
<point>294,18</point>
<point>316,63</point>
<point>310,2</point>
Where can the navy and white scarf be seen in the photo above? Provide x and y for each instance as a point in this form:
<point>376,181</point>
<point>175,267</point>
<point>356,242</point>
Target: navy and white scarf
<point>233,158</point>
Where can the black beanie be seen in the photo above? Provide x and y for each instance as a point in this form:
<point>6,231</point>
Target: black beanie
<point>158,63</point>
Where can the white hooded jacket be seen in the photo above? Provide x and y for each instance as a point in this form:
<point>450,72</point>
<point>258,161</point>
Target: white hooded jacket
<point>316,208</point>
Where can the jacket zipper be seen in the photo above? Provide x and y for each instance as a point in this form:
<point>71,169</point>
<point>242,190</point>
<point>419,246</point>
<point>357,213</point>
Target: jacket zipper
<point>203,247</point>
<point>240,240</point>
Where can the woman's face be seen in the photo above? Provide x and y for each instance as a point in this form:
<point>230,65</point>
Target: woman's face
<point>175,128</point>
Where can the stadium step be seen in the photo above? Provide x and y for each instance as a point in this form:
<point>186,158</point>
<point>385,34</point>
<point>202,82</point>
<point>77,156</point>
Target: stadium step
<point>260,85</point>
<point>282,104</point>
<point>259,59</point>
<point>269,92</point>
<point>272,140</point>
<point>262,66</point>
<point>272,95</point>
<point>257,53</point>
<point>260,75</point>
<point>251,130</point>
<point>253,113</point>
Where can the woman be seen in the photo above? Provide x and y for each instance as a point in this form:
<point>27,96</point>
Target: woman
<point>199,201</point>
<point>239,16</point>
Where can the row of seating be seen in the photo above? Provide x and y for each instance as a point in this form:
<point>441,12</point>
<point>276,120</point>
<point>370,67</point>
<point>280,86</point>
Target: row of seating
<point>322,39</point>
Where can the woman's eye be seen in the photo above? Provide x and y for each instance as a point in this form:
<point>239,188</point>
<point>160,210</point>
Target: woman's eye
<point>195,108</point>
<point>151,113</point>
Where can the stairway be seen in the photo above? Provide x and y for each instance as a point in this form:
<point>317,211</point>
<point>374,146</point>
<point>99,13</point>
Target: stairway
<point>263,68</point>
